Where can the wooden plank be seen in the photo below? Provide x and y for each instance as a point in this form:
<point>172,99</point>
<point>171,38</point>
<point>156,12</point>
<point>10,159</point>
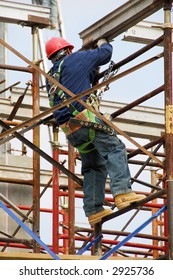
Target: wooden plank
<point>35,256</point>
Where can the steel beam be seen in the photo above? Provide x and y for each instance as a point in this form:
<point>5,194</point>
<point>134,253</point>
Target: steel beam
<point>24,14</point>
<point>144,32</point>
<point>118,21</point>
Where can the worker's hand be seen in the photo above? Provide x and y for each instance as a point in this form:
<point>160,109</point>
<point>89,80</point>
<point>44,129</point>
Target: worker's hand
<point>101,42</point>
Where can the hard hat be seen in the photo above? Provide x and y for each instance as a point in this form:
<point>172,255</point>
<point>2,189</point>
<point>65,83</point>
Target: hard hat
<point>56,44</point>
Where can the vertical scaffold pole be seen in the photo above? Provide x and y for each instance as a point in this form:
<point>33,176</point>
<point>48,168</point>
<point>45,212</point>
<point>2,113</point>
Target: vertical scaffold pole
<point>36,142</point>
<point>168,119</point>
<point>55,193</point>
<point>71,202</point>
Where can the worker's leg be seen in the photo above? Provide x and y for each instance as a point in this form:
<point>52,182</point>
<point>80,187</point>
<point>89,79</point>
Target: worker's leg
<point>113,151</point>
<point>94,171</point>
<point>117,167</point>
<point>95,174</point>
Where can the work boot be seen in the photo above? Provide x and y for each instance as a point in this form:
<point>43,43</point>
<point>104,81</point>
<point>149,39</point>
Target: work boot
<point>125,199</point>
<point>96,218</point>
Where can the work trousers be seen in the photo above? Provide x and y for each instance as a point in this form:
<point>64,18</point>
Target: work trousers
<point>108,158</point>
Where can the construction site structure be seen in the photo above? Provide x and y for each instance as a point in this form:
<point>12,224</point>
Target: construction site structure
<point>143,230</point>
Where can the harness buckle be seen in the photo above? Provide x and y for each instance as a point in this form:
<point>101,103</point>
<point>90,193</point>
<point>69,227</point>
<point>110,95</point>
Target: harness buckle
<point>52,90</point>
<point>112,131</point>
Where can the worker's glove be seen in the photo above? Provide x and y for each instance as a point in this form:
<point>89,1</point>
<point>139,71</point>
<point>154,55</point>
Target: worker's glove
<point>101,42</point>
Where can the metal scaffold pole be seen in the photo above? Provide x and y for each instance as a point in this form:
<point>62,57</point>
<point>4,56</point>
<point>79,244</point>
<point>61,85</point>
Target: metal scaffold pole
<point>55,193</point>
<point>36,141</point>
<point>169,120</point>
<point>60,20</point>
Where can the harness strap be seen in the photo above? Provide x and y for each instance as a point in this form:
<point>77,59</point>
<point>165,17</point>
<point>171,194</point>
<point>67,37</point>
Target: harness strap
<point>83,148</point>
<point>54,89</point>
<point>85,115</point>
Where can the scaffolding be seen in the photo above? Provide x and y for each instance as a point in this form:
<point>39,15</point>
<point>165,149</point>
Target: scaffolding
<point>70,241</point>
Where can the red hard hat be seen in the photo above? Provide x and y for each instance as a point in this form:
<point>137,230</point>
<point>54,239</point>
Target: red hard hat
<point>56,44</point>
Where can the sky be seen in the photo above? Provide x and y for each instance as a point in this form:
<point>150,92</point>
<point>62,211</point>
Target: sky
<point>78,15</point>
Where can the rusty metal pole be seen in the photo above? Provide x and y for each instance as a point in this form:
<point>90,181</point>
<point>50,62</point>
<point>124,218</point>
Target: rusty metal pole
<point>155,221</point>
<point>55,193</point>
<point>71,202</point>
<point>65,229</point>
<point>36,141</point>
<point>169,120</point>
<point>165,226</point>
<point>97,250</point>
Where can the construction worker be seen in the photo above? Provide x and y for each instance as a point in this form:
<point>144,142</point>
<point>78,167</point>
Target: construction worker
<point>102,153</point>
<point>52,4</point>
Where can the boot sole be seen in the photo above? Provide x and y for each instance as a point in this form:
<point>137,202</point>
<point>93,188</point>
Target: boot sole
<point>125,204</point>
<point>98,219</point>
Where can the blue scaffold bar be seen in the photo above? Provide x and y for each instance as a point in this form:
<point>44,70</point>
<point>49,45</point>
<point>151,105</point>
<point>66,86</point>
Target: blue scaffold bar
<point>30,232</point>
<point>132,234</point>
<point>80,252</point>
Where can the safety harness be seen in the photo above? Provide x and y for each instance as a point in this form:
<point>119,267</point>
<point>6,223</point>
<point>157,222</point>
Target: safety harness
<point>86,118</point>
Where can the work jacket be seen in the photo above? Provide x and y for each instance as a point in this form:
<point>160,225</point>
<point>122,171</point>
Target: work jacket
<point>78,71</point>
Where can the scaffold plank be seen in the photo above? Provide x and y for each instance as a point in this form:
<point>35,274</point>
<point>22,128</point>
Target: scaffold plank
<point>36,256</point>
<point>24,14</point>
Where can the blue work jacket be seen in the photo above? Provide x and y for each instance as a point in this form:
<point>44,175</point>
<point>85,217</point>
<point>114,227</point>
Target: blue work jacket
<point>77,74</point>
